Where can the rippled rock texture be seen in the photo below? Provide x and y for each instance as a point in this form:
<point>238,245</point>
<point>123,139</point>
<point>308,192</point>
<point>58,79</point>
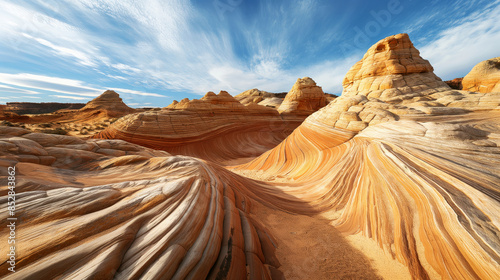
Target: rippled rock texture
<point>108,209</point>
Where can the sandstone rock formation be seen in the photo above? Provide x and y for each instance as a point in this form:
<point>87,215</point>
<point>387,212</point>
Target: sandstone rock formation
<point>484,77</point>
<point>215,127</point>
<point>403,159</point>
<point>108,209</point>
<point>304,98</point>
<point>391,81</point>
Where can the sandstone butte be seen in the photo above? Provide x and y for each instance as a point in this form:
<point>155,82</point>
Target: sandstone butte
<point>400,158</point>
<point>304,98</point>
<point>484,77</point>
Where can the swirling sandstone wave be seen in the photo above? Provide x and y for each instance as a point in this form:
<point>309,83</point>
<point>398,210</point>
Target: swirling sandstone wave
<point>108,209</point>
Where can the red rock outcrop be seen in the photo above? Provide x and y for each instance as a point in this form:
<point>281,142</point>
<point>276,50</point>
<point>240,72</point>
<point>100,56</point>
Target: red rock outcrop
<point>455,83</point>
<point>403,159</point>
<point>304,98</point>
<point>215,127</point>
<point>484,77</point>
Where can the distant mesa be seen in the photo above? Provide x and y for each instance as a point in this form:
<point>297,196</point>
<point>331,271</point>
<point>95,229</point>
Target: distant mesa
<point>104,107</point>
<point>484,77</point>
<point>304,98</point>
<point>22,108</point>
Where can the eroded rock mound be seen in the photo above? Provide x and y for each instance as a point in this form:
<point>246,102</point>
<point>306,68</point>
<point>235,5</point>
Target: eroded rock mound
<point>108,209</point>
<point>107,106</point>
<point>484,77</point>
<point>109,101</point>
<point>304,98</point>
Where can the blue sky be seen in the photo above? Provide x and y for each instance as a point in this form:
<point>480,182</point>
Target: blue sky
<point>152,52</point>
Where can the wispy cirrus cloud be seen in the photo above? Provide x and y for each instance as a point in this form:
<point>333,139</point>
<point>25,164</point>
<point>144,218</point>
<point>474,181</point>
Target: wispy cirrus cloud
<point>14,84</point>
<point>466,42</point>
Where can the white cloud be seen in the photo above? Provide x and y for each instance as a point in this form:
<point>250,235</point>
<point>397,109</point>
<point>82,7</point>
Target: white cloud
<point>9,89</point>
<point>136,92</point>
<point>83,58</point>
<point>65,88</point>
<point>457,49</point>
<point>54,84</point>
<point>69,97</point>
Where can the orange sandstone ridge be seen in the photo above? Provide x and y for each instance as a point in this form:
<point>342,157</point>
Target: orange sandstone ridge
<point>109,101</point>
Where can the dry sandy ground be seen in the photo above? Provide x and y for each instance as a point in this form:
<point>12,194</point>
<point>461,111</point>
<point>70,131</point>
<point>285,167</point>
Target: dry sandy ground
<point>310,248</point>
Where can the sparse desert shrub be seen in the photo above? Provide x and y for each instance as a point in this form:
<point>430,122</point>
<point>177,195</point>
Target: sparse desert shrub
<point>58,130</point>
<point>7,123</point>
<point>45,125</point>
